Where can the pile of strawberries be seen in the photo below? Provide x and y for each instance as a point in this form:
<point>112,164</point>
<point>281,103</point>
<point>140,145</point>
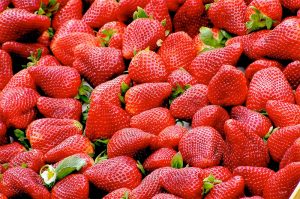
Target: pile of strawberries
<point>150,99</point>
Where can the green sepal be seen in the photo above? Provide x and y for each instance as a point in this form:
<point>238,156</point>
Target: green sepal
<point>207,6</point>
<point>124,87</point>
<point>270,132</point>
<point>208,183</point>
<point>21,136</point>
<point>24,165</point>
<point>125,196</point>
<point>177,161</point>
<point>101,142</point>
<point>5,165</point>
<point>258,21</point>
<point>84,92</point>
<point>33,58</point>
<point>210,41</point>
<point>164,22</point>
<point>68,166</point>
<point>49,9</point>
<point>176,92</point>
<point>101,157</point>
<point>264,112</point>
<point>109,33</point>
<point>140,13</point>
<point>50,32</point>
<point>85,114</point>
<point>141,168</point>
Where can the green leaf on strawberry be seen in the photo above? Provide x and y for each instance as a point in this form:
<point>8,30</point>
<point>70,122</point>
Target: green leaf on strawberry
<point>208,183</point>
<point>140,13</point>
<point>21,137</point>
<point>258,21</point>
<point>177,161</point>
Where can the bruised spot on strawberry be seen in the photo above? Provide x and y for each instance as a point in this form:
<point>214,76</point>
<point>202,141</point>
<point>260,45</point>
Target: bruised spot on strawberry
<point>177,161</point>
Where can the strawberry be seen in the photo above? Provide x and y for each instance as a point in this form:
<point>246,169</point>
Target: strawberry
<point>72,186</point>
<point>98,64</point>
<point>259,65</point>
<point>219,172</point>
<point>153,121</point>
<point>268,84</point>
<point>281,140</point>
<point>29,5</point>
<point>178,50</point>
<point>181,77</point>
<point>4,4</point>
<point>21,79</point>
<point>147,66</point>
<point>115,173</point>
<point>44,134</point>
<point>118,193</point>
<point>291,155</point>
<point>297,95</point>
<point>3,138</point>
<point>263,14</point>
<point>281,184</point>
<point>45,37</point>
<point>255,178</point>
<point>15,23</point>
<point>88,160</point>
<point>229,15</point>
<point>188,17</point>
<point>187,104</point>
<point>291,4</point>
<point>127,8</point>
<point>158,159</point>
<point>211,115</point>
<point>8,151</point>
<point>47,60</point>
<point>5,69</point>
<point>127,142</point>
<point>173,5</point>
<point>24,50</point>
<point>253,197</point>
<point>146,96</point>
<point>233,188</point>
<point>111,34</point>
<point>33,159</point>
<point>243,148</point>
<point>2,196</point>
<point>56,81</point>
<point>252,121</point>
<point>202,147</point>
<point>207,64</point>
<point>292,74</point>
<point>59,108</point>
<point>165,196</point>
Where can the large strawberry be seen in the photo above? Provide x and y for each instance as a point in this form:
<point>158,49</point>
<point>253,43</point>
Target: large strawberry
<point>24,49</point>
<point>21,79</point>
<point>181,77</point>
<point>118,193</point>
<point>219,172</point>
<point>127,8</point>
<point>8,151</point>
<point>291,4</point>
<point>268,84</point>
<point>115,173</point>
<point>292,73</point>
<point>29,5</point>
<point>207,64</point>
<point>158,159</point>
<point>291,155</point>
<point>6,72</point>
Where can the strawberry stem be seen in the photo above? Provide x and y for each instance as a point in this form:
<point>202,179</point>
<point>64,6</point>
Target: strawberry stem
<point>208,183</point>
<point>177,161</point>
<point>140,13</point>
<point>21,136</point>
<point>141,168</point>
<point>258,21</point>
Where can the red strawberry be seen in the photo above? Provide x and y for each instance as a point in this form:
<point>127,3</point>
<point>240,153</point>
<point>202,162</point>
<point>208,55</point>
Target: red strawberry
<point>56,81</point>
<point>88,160</point>
<point>127,142</point>
<point>233,188</point>
<point>165,196</point>
<point>45,37</point>
<point>243,148</point>
<point>211,115</point>
<point>253,197</point>
<point>292,74</point>
<point>33,159</point>
<point>59,108</point>
<point>48,60</point>
<point>173,5</point>
<point>207,64</point>
<point>268,84</point>
<point>281,184</point>
<point>98,64</point>
<point>6,72</point>
<point>291,155</point>
<point>127,8</point>
<point>219,172</point>
<point>21,79</point>
<point>187,104</point>
<point>72,186</point>
<point>181,77</point>
<point>158,159</point>
<point>2,196</point>
<point>178,50</point>
<point>3,138</point>
<point>291,4</point>
<point>229,15</point>
<point>147,66</point>
<point>118,193</point>
<point>259,65</point>
<point>252,121</point>
<point>115,173</point>
<point>4,4</point>
<point>255,178</point>
<point>15,23</point>
<point>202,147</point>
<point>297,95</point>
<point>29,5</point>
<point>8,151</point>
<point>188,17</point>
<point>23,49</point>
<point>44,134</point>
<point>146,96</point>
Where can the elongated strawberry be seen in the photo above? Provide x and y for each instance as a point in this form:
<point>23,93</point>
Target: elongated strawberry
<point>115,173</point>
<point>165,196</point>
<point>146,96</point>
<point>118,193</point>
<point>127,8</point>
<point>21,79</point>
<point>207,64</point>
<point>259,65</point>
<point>111,34</point>
<point>158,159</point>
<point>219,172</point>
<point>29,5</point>
<point>292,73</point>
<point>127,142</point>
<point>291,4</point>
<point>24,50</point>
<point>5,68</point>
<point>8,151</point>
<point>181,77</point>
<point>268,84</point>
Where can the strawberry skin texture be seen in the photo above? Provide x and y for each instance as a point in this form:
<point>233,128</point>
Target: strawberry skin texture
<point>158,159</point>
<point>292,74</point>
<point>9,151</point>
<point>165,196</point>
<point>72,186</point>
<point>29,5</point>
<point>4,4</point>
<point>115,173</point>
<point>146,96</point>
<point>268,84</point>
<point>118,193</point>
<point>2,196</point>
<point>127,8</point>
<point>181,78</point>
<point>219,172</point>
<point>3,138</point>
<point>291,4</point>
<point>6,72</point>
<point>207,64</point>
<point>48,60</point>
<point>291,155</point>
<point>22,49</point>
<point>297,95</point>
<point>21,79</point>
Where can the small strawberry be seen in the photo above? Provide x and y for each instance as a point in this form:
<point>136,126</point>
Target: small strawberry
<point>23,49</point>
<point>127,8</point>
<point>8,151</point>
<point>118,193</point>
<point>29,5</point>
<point>291,4</point>
<point>291,155</point>
<point>292,74</point>
<point>165,196</point>
<point>181,77</point>
<point>158,159</point>
<point>6,72</point>
<point>219,172</point>
<point>21,79</point>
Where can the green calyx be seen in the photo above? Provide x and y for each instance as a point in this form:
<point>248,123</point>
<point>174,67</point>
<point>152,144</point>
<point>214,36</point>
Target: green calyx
<point>140,167</point>
<point>258,21</point>
<point>209,183</point>
<point>124,89</point>
<point>33,58</point>
<point>50,32</point>
<point>177,161</point>
<point>101,157</point>
<point>84,92</point>
<point>21,137</point>
<point>49,9</point>
<point>140,13</point>
<point>176,92</point>
<point>212,42</point>
<point>85,114</point>
<point>126,195</point>
<point>109,33</point>
<point>270,132</point>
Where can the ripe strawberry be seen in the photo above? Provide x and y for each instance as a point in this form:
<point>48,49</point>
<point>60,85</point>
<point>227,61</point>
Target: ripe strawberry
<point>59,108</point>
<point>188,17</point>
<point>115,173</point>
<point>44,134</point>
<point>252,121</point>
<point>291,155</point>
<point>2,196</point>
<point>127,8</point>
<point>21,79</point>
<point>259,65</point>
<point>98,64</point>
<point>118,193</point>
<point>45,37</point>
<point>297,95</point>
<point>72,186</point>
<point>24,50</point>
<point>146,96</point>
<point>243,148</point>
<point>211,115</point>
<point>158,159</point>
<point>178,50</point>
<point>147,66</point>
<point>268,84</point>
<point>173,5</point>
<point>229,15</point>
<point>28,5</point>
<point>3,138</point>
<point>48,60</point>
<point>56,81</point>
<point>15,23</point>
<point>281,184</point>
<point>4,4</point>
<point>8,151</point>
<point>207,64</point>
<point>253,197</point>
<point>292,74</point>
<point>165,196</point>
<point>187,104</point>
<point>6,72</point>
<point>202,147</point>
<point>127,142</point>
<point>291,4</point>
<point>33,159</point>
<point>219,172</point>
<point>181,77</point>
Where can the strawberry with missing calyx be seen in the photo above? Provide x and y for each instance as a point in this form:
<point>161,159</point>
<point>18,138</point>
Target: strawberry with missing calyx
<point>5,69</point>
<point>292,74</point>
<point>158,159</point>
